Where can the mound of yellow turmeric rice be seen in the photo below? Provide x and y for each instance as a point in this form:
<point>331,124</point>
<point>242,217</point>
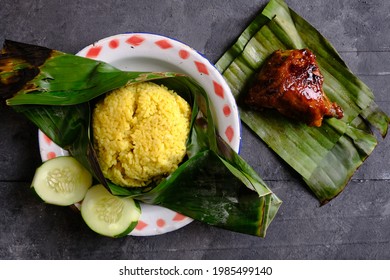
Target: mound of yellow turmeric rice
<point>140,133</point>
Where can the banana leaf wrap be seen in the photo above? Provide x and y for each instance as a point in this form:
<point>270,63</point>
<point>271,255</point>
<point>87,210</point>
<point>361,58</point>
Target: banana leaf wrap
<point>57,92</point>
<point>325,157</point>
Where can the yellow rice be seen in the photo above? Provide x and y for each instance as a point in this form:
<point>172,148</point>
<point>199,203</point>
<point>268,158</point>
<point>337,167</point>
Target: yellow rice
<point>140,133</point>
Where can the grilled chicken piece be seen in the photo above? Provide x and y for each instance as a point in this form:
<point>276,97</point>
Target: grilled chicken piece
<point>291,82</point>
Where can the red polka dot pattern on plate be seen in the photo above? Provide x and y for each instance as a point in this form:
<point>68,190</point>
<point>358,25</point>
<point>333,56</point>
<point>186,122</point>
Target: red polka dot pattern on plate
<point>184,54</point>
<point>47,139</point>
<point>164,44</point>
<point>218,89</point>
<point>141,225</point>
<point>179,217</point>
<point>51,155</point>
<point>135,40</point>
<point>114,43</point>
<point>160,223</point>
<point>94,52</point>
<point>226,110</point>
<point>48,149</point>
<point>202,68</point>
<point>229,132</point>
<point>154,221</point>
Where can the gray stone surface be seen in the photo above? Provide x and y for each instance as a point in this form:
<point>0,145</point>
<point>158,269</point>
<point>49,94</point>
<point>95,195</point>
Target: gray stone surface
<point>355,225</point>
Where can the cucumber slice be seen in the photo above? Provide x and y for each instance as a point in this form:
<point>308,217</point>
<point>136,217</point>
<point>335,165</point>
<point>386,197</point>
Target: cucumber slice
<point>61,181</point>
<point>107,214</point>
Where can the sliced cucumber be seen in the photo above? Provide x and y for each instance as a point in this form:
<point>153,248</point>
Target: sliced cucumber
<point>107,214</point>
<point>61,181</point>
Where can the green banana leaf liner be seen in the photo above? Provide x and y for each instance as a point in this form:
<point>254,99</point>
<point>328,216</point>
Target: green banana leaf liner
<point>57,92</point>
<point>325,157</point>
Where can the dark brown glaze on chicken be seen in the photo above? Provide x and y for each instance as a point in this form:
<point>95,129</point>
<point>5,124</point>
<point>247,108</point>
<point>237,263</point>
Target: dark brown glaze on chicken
<point>291,82</point>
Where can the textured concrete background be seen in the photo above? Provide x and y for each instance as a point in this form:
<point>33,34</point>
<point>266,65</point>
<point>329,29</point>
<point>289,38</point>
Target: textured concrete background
<point>355,225</point>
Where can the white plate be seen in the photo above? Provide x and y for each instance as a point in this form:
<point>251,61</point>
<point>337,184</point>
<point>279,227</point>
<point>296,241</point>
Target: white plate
<point>150,52</point>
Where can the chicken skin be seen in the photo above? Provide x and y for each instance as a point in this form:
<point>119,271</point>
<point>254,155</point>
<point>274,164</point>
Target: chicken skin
<point>291,82</point>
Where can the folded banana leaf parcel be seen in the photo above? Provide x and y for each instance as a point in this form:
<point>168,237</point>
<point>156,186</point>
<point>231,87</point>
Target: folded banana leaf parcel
<point>57,92</point>
<point>326,157</point>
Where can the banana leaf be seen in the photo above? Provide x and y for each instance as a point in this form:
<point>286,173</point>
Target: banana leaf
<point>56,91</point>
<point>325,157</point>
